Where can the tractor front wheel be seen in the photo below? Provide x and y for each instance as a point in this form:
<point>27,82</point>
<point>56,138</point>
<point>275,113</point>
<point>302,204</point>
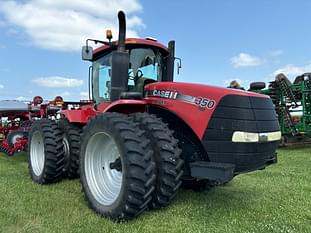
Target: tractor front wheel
<point>116,167</point>
<point>45,152</point>
<point>167,155</point>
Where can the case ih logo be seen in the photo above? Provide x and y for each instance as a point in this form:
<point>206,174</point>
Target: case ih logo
<point>202,103</point>
<point>165,94</point>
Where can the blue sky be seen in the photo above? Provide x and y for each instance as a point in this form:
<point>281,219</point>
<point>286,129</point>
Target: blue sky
<point>218,41</point>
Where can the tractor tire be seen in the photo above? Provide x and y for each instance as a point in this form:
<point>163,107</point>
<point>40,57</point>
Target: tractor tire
<point>45,152</point>
<point>71,141</point>
<point>116,167</point>
<point>14,135</point>
<point>191,151</point>
<point>169,165</point>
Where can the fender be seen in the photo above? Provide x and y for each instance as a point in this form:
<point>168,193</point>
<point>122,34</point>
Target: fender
<point>82,115</point>
<point>85,113</point>
<point>123,106</point>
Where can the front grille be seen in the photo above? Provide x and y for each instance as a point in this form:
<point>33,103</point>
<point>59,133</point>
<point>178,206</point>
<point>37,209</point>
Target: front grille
<point>241,113</point>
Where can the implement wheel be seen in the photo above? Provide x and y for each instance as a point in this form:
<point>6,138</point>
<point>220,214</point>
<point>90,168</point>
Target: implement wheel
<point>14,135</point>
<point>116,167</point>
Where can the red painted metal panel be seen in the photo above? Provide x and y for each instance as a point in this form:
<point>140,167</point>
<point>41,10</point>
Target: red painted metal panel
<point>79,115</point>
<point>108,106</point>
<point>133,41</point>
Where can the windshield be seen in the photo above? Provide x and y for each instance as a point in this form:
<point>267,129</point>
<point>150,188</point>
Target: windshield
<point>145,64</point>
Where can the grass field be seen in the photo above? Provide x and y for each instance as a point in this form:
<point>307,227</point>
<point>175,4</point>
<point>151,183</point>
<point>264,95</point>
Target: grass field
<point>277,199</point>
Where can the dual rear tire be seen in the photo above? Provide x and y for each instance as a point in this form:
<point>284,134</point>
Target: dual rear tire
<point>72,143</point>
<point>45,152</point>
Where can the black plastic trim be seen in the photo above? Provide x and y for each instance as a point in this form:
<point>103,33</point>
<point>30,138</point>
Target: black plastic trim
<point>247,114</point>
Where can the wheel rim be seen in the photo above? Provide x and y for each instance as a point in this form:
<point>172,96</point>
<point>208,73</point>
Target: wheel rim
<point>104,181</point>
<point>37,154</point>
<point>66,151</point>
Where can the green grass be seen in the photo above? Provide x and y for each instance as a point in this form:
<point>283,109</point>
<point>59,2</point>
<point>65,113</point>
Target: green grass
<point>277,199</point>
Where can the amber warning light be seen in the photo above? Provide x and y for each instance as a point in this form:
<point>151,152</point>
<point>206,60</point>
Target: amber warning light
<point>109,35</point>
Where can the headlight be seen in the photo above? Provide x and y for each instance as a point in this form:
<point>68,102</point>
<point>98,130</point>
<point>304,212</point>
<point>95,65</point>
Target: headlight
<point>245,137</point>
<point>240,136</point>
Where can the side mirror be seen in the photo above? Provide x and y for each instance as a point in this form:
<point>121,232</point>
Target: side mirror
<point>87,53</point>
<point>178,64</point>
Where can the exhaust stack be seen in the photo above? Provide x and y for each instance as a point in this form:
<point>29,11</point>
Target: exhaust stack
<point>122,31</point>
<point>120,63</point>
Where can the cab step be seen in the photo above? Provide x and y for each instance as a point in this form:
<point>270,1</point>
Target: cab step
<point>220,172</point>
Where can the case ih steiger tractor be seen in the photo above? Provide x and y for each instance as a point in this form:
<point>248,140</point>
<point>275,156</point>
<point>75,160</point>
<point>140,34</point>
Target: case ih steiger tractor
<point>144,134</point>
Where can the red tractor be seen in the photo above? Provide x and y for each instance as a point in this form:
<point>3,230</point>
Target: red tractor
<point>144,135</point>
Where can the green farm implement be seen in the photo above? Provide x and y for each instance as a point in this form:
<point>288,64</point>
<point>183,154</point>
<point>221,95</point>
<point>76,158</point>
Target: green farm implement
<point>292,103</point>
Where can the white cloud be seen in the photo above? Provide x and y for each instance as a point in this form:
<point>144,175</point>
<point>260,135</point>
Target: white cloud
<point>66,24</point>
<point>246,60</point>
<point>21,98</point>
<point>58,82</point>
<point>1,86</point>
<point>293,70</point>
<point>84,95</point>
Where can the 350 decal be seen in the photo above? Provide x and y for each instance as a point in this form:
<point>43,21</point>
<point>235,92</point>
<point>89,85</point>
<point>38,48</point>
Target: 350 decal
<point>204,102</point>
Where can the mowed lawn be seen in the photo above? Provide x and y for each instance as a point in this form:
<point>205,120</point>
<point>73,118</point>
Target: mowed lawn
<point>277,199</point>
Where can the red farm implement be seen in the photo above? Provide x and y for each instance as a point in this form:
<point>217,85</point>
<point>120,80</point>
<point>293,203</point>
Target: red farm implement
<point>17,118</point>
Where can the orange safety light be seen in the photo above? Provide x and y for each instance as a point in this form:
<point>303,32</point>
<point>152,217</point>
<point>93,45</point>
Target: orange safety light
<point>109,35</point>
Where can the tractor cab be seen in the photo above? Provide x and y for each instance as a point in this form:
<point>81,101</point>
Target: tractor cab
<point>147,64</point>
<point>122,68</point>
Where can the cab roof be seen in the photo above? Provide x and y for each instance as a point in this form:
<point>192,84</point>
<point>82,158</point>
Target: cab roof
<point>131,41</point>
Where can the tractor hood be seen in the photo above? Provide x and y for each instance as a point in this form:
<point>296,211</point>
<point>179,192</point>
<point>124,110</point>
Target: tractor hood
<point>196,103</point>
